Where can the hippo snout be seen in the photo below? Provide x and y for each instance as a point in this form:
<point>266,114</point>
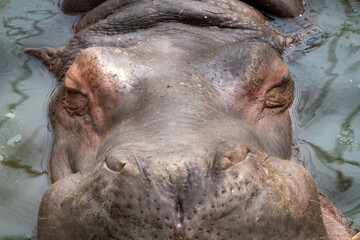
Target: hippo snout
<point>168,197</point>
<point>133,194</point>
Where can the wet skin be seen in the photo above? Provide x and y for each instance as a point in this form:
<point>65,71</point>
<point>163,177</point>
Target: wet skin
<point>175,131</point>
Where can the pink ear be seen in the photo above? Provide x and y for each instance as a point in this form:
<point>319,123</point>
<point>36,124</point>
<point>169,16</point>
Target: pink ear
<point>49,56</point>
<point>279,8</point>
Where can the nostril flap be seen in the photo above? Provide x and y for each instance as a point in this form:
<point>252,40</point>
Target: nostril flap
<point>228,155</point>
<point>114,164</point>
<point>120,161</point>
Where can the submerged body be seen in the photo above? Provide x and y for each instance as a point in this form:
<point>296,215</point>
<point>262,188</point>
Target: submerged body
<point>171,121</point>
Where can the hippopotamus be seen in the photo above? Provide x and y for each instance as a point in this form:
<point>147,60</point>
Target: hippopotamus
<point>171,121</point>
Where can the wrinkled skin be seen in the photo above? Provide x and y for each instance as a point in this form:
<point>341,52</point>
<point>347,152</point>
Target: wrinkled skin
<point>171,121</point>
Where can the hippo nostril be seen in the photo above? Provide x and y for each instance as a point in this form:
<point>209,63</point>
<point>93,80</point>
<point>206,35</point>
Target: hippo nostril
<point>228,155</point>
<point>114,164</point>
<point>122,161</point>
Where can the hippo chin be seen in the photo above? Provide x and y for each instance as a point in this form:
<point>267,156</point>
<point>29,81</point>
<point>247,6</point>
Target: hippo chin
<point>171,121</point>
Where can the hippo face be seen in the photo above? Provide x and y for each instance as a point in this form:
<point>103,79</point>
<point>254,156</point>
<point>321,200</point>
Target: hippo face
<point>173,97</point>
<point>166,144</point>
<point>182,134</point>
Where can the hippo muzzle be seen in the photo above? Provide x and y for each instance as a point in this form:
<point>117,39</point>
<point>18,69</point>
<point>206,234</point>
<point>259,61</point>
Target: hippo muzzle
<point>176,127</point>
<point>260,197</point>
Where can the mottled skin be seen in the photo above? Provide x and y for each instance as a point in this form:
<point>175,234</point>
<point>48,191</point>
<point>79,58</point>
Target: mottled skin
<point>171,121</point>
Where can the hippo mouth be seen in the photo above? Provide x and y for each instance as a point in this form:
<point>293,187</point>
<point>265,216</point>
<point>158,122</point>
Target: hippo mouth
<point>242,192</point>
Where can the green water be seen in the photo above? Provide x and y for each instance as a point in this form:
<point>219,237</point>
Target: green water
<point>326,111</point>
<point>326,118</point>
<point>25,87</point>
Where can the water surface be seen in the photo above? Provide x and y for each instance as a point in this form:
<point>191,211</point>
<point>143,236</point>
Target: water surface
<point>25,87</point>
<point>326,111</point>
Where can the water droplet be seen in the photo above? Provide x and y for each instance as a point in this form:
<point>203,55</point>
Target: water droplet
<point>1,157</point>
<point>13,140</point>
<point>10,115</point>
<point>350,80</point>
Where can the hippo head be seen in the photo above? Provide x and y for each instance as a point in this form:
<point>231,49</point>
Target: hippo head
<point>171,121</point>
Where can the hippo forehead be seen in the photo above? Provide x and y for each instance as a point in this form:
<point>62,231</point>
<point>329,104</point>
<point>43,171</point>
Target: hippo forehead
<point>230,76</point>
<point>124,24</point>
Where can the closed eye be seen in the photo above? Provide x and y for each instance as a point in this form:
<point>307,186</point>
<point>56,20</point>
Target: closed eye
<point>279,96</point>
<point>75,103</point>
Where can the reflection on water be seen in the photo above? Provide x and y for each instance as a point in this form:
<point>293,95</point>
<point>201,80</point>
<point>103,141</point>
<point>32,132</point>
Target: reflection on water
<point>326,118</point>
<point>326,111</point>
<point>25,87</point>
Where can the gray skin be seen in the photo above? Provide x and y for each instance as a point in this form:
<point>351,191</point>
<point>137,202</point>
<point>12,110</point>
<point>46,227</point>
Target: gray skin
<point>171,121</point>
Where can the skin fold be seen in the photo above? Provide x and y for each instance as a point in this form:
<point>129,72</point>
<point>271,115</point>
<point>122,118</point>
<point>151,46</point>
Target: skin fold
<point>171,121</point>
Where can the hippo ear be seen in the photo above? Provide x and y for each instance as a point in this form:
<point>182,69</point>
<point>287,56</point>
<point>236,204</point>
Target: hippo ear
<point>79,6</point>
<point>279,8</point>
<point>49,56</point>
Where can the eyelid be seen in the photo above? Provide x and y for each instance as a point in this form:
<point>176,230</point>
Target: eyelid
<point>278,96</point>
<point>73,85</point>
